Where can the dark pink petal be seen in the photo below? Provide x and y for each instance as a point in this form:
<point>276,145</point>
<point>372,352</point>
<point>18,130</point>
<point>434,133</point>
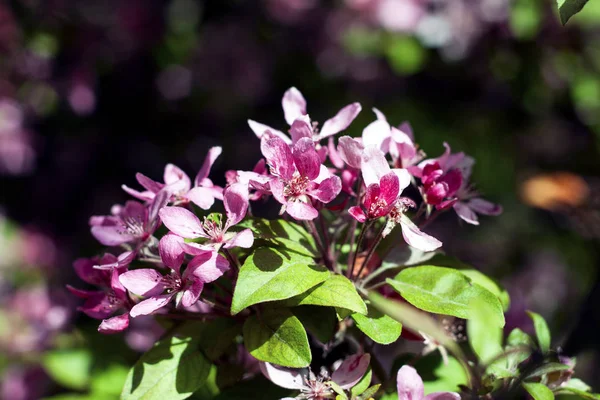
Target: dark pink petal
<point>416,238</point>
<point>301,211</point>
<point>235,200</point>
<point>84,268</point>
<point>148,184</point>
<point>173,174</point>
<point>285,377</point>
<point>444,205</point>
<point>260,130</point>
<point>182,222</point>
<point>171,251</point>
<point>301,129</point>
<point>294,105</point>
<point>406,128</point>
<point>207,267</point>
<point>160,200</point>
<point>134,210</point>
<point>195,249</point>
<point>202,197</point>
<point>351,371</point>
<point>357,213</point>
<point>390,188</point>
<point>436,193</point>
<point>485,207</point>
<point>465,213</point>
<point>374,165</point>
<point>351,151</point>
<point>279,157</point>
<point>191,293</point>
<point>327,189</point>
<point>277,188</point>
<point>97,306</point>
<point>334,155</point>
<point>453,179</point>
<point>111,235</point>
<point>144,196</point>
<point>349,178</point>
<point>243,239</point>
<point>115,324</point>
<point>341,121</point>
<point>211,157</point>
<point>84,294</point>
<point>116,286</point>
<point>431,173</point>
<point>371,196</point>
<point>306,158</point>
<point>150,305</point>
<point>409,384</point>
<point>143,282</point>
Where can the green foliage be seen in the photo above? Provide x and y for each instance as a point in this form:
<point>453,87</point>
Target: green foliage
<point>336,291</point>
<point>541,331</point>
<point>70,368</point>
<point>274,274</point>
<point>538,391</point>
<point>173,369</point>
<point>319,321</point>
<point>213,337</point>
<point>283,234</point>
<point>445,291</point>
<point>278,337</point>
<point>378,326</point>
<point>568,8</point>
<point>109,381</point>
<point>485,335</point>
<point>369,393</point>
<point>363,384</point>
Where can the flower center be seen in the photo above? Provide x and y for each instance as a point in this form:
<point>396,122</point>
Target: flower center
<point>296,187</point>
<point>133,226</point>
<point>172,283</point>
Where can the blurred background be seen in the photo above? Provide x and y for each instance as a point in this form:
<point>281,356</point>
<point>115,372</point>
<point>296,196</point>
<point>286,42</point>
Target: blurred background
<point>93,91</point>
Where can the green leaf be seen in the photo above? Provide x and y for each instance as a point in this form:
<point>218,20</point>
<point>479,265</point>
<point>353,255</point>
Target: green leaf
<point>485,336</point>
<point>548,369</point>
<point>363,384</point>
<point>488,283</point>
<point>568,8</point>
<point>579,388</point>
<point>281,233</point>
<point>518,346</point>
<point>109,380</point>
<point>541,331</point>
<point>70,368</point>
<point>278,337</point>
<point>378,326</point>
<point>173,369</point>
<point>538,391</point>
<point>213,337</point>
<point>337,291</point>
<point>274,274</point>
<point>369,393</point>
<point>320,321</point>
<point>444,291</point>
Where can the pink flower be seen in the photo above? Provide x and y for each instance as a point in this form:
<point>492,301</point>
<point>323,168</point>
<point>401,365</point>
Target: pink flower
<point>298,177</point>
<point>185,224</point>
<point>203,194</point>
<point>103,303</point>
<point>133,223</point>
<point>410,387</point>
<point>346,376</point>
<point>381,199</point>
<point>205,267</point>
<point>294,110</point>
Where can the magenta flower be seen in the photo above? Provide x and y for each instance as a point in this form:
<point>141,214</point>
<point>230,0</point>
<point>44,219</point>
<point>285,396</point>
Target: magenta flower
<point>410,387</point>
<point>348,374</point>
<point>159,289</point>
<point>133,223</point>
<point>187,225</point>
<point>203,194</point>
<point>384,186</point>
<point>294,110</point>
<point>298,177</point>
<point>103,303</point>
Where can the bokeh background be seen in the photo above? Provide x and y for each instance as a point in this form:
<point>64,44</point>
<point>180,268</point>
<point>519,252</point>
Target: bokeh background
<point>93,91</point>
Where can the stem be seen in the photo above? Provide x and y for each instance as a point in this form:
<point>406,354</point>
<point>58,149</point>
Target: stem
<point>361,237</point>
<point>378,239</point>
<point>232,260</point>
<point>313,230</point>
<point>352,238</point>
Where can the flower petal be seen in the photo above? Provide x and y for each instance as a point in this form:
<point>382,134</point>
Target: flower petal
<point>111,235</point>
<point>243,239</point>
<point>207,267</point>
<point>294,105</point>
<point>150,305</point>
<point>340,121</point>
<point>174,174</point>
<point>351,370</point>
<point>306,159</point>
<point>160,200</point>
<point>328,189</point>
<point>143,282</point>
<point>485,207</point>
<point>279,157</point>
<point>211,157</point>
<point>351,151</point>
<point>416,238</point>
<point>390,187</point>
<point>260,130</point>
<point>182,222</point>
<point>409,384</point>
<point>191,293</point>
<point>357,213</point>
<point>301,129</point>
<point>288,378</point>
<point>377,134</point>
<point>442,396</point>
<point>465,213</point>
<point>235,200</point>
<point>148,184</point>
<point>374,165</point>
<point>171,252</point>
<point>114,324</point>
<point>202,197</point>
<point>301,211</point>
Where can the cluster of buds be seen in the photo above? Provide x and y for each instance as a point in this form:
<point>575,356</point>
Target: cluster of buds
<point>358,181</point>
